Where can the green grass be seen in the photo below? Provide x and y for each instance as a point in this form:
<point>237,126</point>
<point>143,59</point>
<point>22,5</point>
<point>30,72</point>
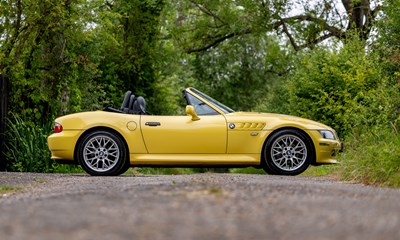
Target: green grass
<point>66,168</point>
<point>7,189</point>
<point>319,171</point>
<point>372,159</point>
<point>218,192</point>
<point>248,170</point>
<point>312,171</point>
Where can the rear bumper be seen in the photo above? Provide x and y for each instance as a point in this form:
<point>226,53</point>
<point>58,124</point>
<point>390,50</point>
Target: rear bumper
<point>62,145</point>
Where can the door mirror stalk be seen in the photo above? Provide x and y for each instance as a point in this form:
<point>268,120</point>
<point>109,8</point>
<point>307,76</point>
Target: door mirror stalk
<point>190,111</point>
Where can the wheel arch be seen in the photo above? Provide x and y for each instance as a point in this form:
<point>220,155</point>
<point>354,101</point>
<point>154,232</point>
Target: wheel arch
<point>313,159</point>
<point>99,128</point>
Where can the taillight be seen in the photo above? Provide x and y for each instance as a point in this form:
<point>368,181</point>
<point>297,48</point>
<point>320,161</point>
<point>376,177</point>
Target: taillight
<point>57,127</point>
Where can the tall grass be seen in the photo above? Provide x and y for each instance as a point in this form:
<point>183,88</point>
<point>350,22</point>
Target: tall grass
<point>372,158</point>
<point>323,170</point>
<point>27,150</point>
<point>26,145</point>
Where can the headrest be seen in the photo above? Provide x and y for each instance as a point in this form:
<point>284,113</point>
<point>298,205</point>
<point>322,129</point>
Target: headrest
<point>139,107</point>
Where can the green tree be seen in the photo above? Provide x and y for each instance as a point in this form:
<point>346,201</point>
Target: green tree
<point>388,43</point>
<point>240,72</point>
<point>43,55</point>
<point>204,24</point>
<point>128,33</point>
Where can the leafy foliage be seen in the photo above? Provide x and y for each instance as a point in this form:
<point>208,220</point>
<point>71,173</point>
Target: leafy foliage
<point>241,71</point>
<point>129,55</point>
<point>204,24</point>
<point>345,89</point>
<point>372,157</point>
<point>45,57</point>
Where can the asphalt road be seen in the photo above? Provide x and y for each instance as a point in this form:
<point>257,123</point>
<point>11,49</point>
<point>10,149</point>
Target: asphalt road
<point>201,206</point>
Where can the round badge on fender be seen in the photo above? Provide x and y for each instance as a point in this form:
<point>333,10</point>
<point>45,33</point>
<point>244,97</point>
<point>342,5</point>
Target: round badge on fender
<point>231,125</point>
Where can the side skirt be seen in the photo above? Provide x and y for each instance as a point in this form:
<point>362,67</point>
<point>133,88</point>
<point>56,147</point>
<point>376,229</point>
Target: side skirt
<point>190,160</point>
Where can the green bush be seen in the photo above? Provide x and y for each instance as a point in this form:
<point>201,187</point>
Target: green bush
<point>352,91</point>
<point>344,89</point>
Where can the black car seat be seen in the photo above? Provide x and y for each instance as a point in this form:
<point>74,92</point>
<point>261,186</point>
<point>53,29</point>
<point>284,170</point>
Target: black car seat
<point>131,102</point>
<point>139,107</point>
<point>125,104</point>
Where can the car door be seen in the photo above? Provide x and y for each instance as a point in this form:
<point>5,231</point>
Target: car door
<point>182,135</point>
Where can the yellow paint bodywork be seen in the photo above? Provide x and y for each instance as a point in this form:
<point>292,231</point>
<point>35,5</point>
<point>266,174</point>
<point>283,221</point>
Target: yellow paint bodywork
<point>225,139</point>
<point>181,135</point>
<point>62,145</point>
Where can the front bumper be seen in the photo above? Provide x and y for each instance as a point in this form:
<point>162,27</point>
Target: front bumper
<point>326,150</point>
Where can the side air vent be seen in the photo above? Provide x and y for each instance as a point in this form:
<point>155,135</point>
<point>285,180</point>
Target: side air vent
<point>248,126</point>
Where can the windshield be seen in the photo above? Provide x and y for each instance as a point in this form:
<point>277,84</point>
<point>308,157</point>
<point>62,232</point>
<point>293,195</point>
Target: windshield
<point>214,102</point>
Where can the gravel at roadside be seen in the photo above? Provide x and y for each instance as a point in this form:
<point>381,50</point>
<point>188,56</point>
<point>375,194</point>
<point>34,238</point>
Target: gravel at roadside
<point>199,206</point>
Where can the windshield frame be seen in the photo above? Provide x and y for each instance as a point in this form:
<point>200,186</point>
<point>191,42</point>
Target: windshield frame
<point>211,101</point>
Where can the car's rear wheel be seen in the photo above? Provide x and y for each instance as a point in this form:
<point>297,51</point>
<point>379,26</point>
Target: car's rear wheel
<point>287,152</point>
<point>103,153</point>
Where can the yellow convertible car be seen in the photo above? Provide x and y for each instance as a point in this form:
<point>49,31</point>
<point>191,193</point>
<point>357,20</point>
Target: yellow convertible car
<point>108,142</point>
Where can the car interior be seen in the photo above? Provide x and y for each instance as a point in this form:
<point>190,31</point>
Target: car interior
<point>130,105</point>
<point>137,105</point>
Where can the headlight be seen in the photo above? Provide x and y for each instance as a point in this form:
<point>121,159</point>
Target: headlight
<point>327,134</point>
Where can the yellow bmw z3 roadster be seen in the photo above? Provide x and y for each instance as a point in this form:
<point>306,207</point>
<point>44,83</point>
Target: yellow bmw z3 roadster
<point>108,142</point>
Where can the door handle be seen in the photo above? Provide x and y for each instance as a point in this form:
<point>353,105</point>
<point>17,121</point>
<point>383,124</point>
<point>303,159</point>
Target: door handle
<point>152,124</point>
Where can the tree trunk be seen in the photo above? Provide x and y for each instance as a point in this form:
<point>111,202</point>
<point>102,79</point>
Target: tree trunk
<point>3,116</point>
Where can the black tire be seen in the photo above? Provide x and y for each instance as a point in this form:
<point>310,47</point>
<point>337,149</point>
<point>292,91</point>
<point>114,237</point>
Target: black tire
<point>124,168</point>
<point>287,152</point>
<point>103,153</point>
<point>267,169</point>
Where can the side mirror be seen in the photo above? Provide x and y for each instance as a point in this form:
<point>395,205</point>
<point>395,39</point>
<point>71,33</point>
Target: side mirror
<point>190,111</point>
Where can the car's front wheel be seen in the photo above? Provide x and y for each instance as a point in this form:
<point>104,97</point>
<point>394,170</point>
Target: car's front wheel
<point>287,152</point>
<point>103,153</point>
